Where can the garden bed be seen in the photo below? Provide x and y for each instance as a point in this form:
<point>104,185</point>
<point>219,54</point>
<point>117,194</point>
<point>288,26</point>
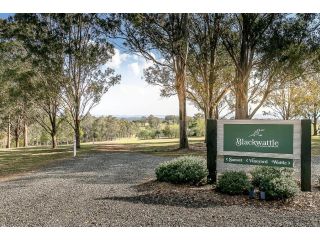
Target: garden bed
<point>154,192</point>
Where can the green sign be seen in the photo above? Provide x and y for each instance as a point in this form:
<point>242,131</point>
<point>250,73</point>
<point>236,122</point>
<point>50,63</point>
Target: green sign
<point>275,162</point>
<point>260,138</point>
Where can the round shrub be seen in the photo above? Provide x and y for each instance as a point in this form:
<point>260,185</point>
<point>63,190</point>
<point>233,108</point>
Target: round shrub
<point>233,183</point>
<point>277,183</point>
<point>185,169</point>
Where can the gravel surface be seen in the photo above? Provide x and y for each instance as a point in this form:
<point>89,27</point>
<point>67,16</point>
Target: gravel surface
<point>116,189</point>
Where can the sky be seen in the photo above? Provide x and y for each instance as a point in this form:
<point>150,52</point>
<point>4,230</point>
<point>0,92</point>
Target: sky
<point>133,96</point>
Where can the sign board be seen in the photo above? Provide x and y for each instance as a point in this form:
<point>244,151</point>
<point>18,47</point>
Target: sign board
<point>277,143</point>
<point>265,141</point>
<point>263,138</point>
<point>274,162</point>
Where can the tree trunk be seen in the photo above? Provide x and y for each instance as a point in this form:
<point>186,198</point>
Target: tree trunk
<point>77,133</point>
<point>216,112</point>
<point>315,123</point>
<point>9,133</point>
<point>181,90</point>
<point>241,108</point>
<point>25,134</point>
<point>16,137</point>
<point>205,126</point>
<point>54,140</point>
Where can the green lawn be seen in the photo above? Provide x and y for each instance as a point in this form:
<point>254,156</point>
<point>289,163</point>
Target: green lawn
<point>159,147</point>
<point>20,160</point>
<point>315,146</point>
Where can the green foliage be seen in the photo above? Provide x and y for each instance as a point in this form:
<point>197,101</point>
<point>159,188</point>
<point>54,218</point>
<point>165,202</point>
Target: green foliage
<point>185,169</point>
<point>278,183</point>
<point>171,131</point>
<point>233,183</point>
<point>147,134</point>
<point>196,126</point>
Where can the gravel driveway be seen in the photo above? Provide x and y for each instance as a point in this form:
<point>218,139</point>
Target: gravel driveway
<point>105,190</point>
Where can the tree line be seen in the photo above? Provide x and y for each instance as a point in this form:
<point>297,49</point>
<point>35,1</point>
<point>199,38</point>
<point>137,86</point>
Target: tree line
<point>228,65</point>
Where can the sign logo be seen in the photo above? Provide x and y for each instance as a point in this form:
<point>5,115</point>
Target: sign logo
<point>267,143</point>
<point>257,133</point>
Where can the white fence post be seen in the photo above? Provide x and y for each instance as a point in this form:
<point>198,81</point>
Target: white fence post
<point>74,146</point>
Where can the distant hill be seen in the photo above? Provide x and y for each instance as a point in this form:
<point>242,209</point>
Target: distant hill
<point>136,117</point>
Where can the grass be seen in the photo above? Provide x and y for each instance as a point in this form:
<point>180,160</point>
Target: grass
<point>315,146</point>
<point>20,160</point>
<point>158,147</point>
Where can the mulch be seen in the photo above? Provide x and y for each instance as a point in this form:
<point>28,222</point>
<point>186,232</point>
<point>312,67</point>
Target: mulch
<point>154,192</point>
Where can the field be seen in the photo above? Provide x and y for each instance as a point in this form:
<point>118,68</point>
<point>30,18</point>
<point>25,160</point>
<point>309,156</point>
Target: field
<point>15,161</point>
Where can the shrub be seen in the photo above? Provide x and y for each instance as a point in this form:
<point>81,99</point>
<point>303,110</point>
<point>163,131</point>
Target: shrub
<point>185,169</point>
<point>278,183</point>
<point>233,183</point>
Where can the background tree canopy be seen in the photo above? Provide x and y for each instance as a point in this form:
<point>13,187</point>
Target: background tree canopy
<point>54,70</point>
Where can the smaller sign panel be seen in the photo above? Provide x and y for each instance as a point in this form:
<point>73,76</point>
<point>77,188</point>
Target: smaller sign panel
<point>275,162</point>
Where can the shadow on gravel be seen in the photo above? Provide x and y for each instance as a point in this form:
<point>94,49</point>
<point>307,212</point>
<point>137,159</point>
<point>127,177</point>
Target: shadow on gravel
<point>166,200</point>
<point>156,193</point>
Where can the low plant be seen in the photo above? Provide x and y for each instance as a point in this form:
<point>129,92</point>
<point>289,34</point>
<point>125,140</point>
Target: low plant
<point>277,183</point>
<point>185,169</point>
<point>233,183</point>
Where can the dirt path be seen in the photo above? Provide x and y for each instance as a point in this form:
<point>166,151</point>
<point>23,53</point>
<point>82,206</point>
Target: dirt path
<point>108,189</point>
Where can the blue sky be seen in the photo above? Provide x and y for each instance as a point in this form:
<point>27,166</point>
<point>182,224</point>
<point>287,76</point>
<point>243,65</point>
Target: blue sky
<point>133,96</point>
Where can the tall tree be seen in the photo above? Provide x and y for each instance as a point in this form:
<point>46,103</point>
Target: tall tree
<point>165,37</point>
<point>15,71</point>
<point>42,38</point>
<point>210,70</point>
<point>285,103</point>
<point>86,51</point>
<point>309,101</point>
<point>265,49</point>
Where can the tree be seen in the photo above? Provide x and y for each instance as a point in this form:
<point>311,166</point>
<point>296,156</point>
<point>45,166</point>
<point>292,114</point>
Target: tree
<point>15,72</point>
<point>285,103</point>
<point>154,122</point>
<point>209,67</point>
<point>86,51</point>
<point>41,37</point>
<point>265,49</point>
<point>309,101</point>
<point>165,35</point>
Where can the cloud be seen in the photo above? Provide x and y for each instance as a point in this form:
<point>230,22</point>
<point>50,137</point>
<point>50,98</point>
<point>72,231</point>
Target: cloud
<point>139,63</point>
<point>136,68</point>
<point>117,59</point>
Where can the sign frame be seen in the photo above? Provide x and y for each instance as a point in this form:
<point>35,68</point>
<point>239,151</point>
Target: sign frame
<point>301,146</point>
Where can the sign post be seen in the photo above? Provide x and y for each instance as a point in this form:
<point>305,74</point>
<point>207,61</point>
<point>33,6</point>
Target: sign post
<point>212,150</point>
<point>277,143</point>
<point>306,155</point>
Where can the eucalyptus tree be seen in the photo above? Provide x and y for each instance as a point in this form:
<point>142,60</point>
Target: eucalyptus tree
<point>309,100</point>
<point>265,49</point>
<point>42,38</point>
<point>210,70</point>
<point>162,39</point>
<point>86,50</point>
<point>14,71</point>
<point>284,103</point>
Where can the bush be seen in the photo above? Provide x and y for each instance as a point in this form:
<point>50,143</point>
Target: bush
<point>277,183</point>
<point>233,183</point>
<point>185,169</point>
